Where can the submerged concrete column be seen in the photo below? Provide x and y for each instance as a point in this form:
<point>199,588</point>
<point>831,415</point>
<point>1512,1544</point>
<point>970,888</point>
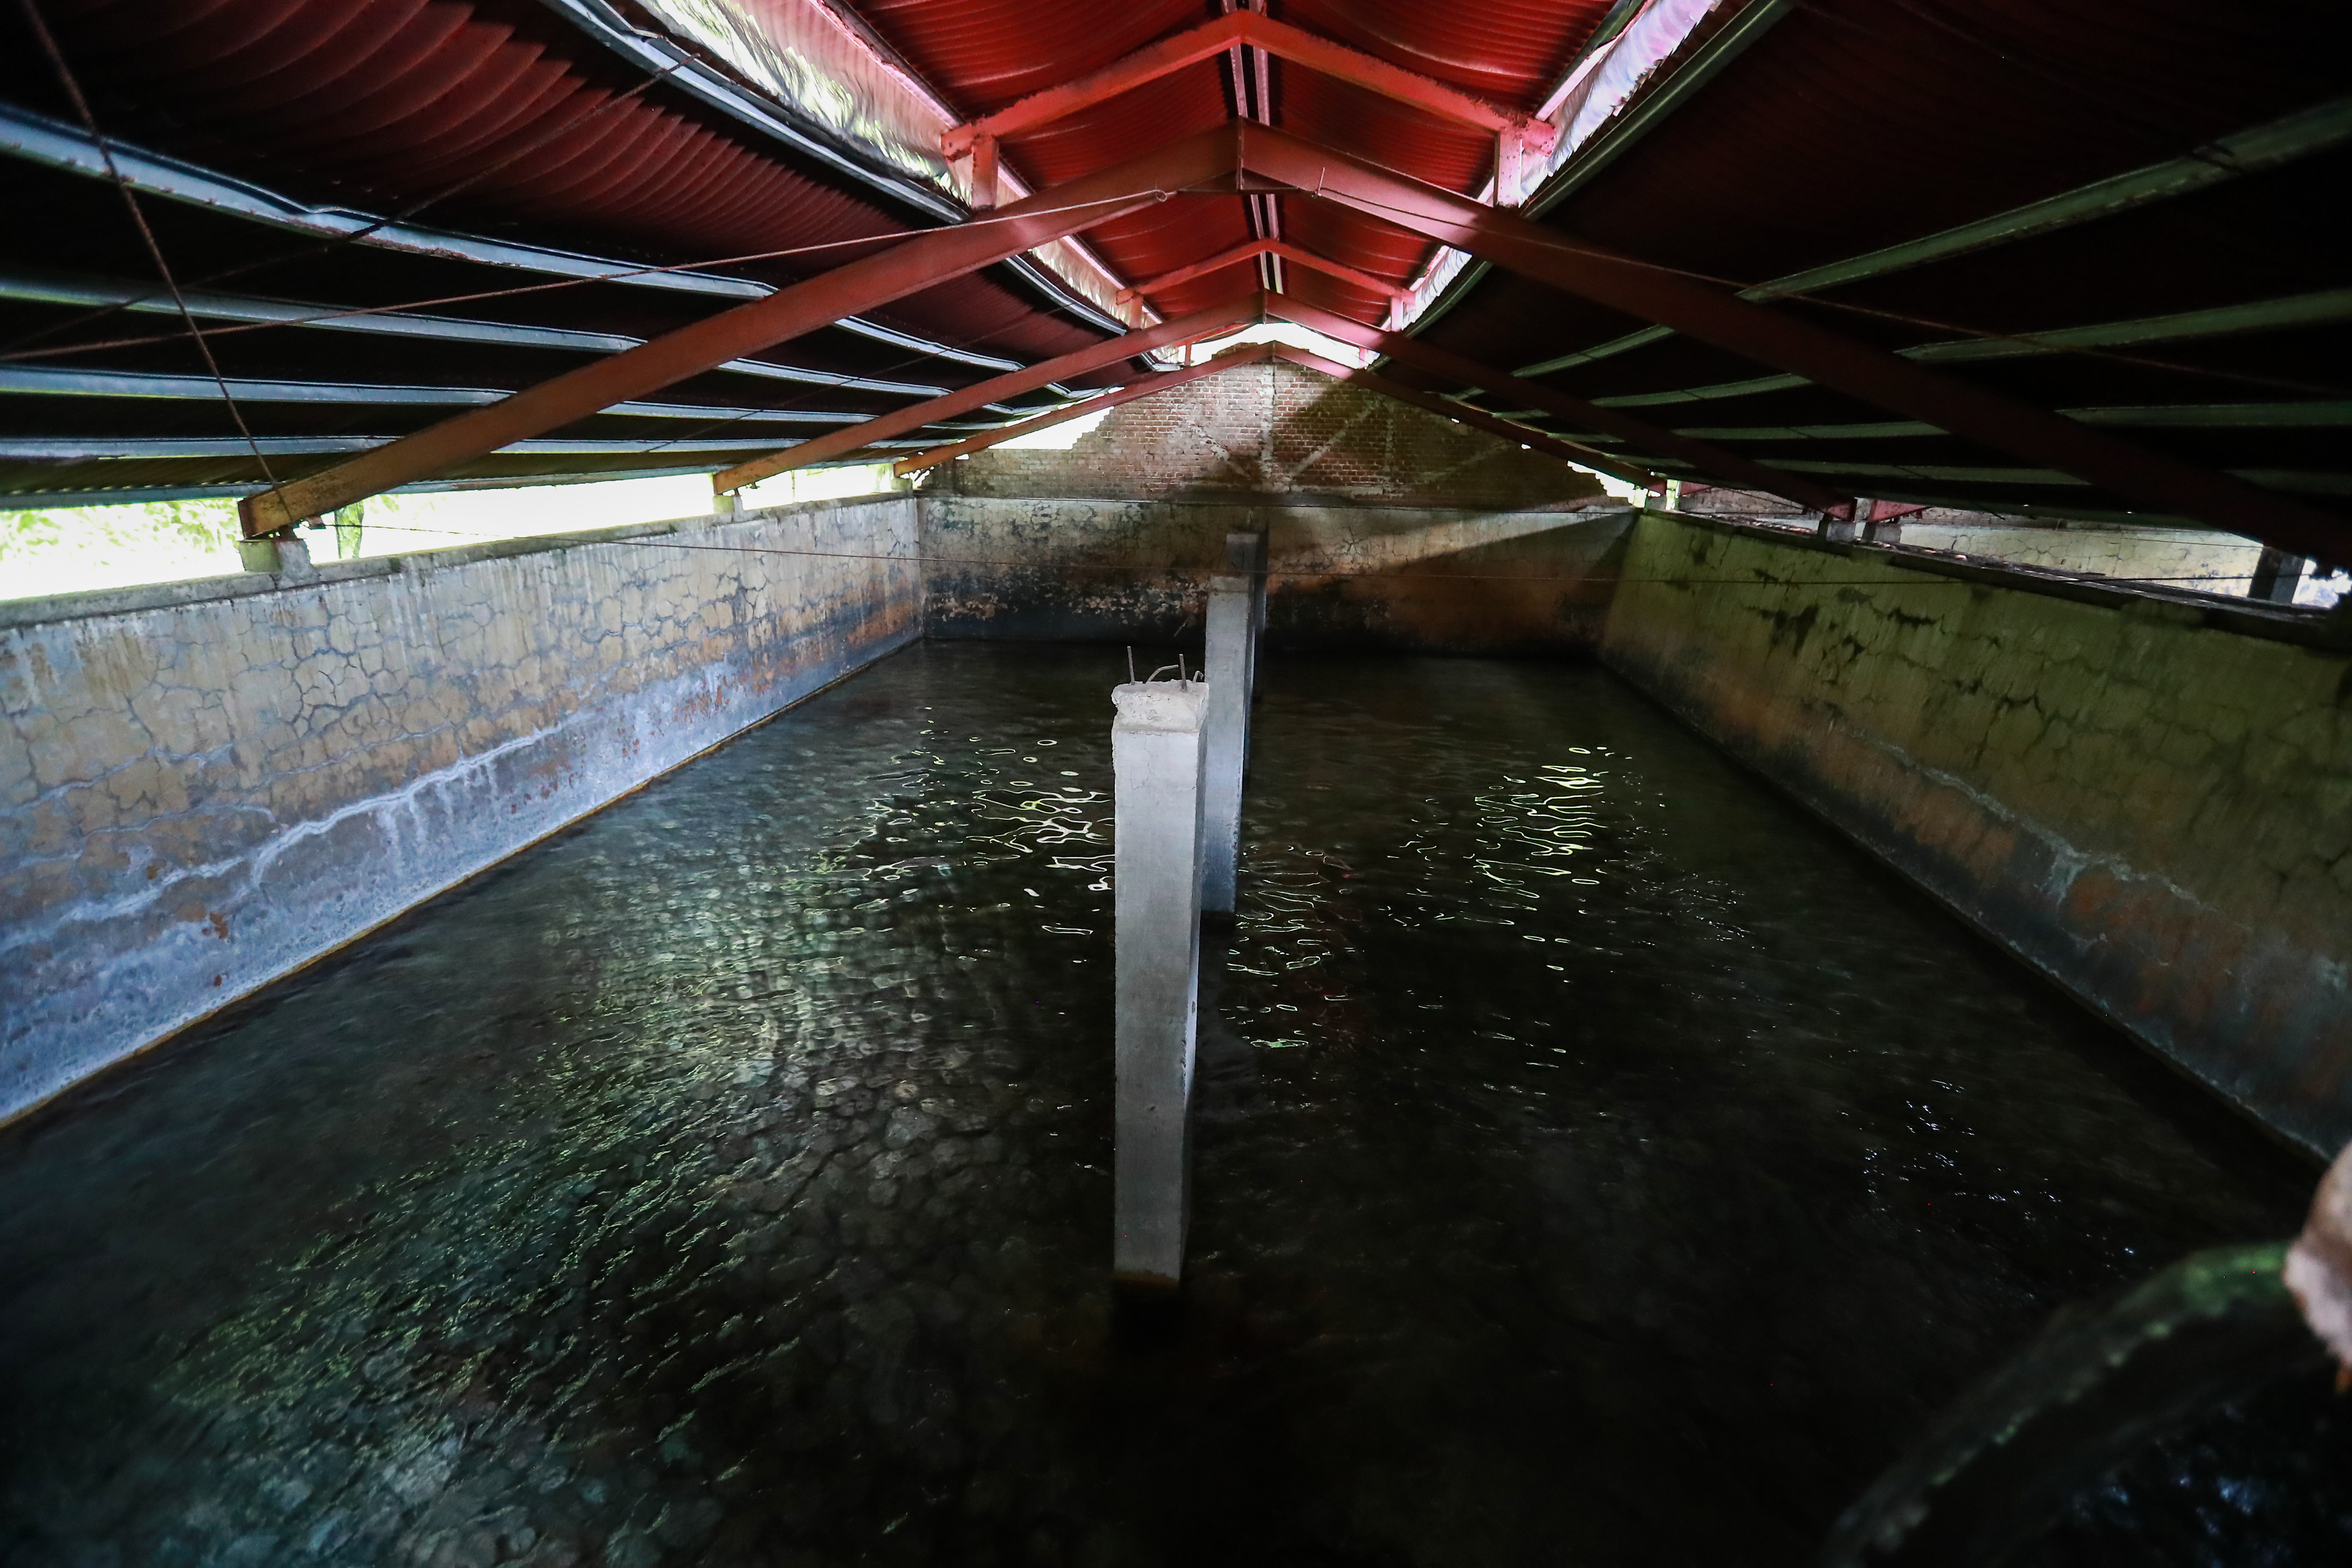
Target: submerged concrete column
<point>1156,764</point>
<point>1235,599</point>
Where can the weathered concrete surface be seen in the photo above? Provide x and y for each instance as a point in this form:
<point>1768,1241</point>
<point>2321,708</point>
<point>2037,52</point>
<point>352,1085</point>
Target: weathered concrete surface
<point>2149,801</point>
<point>1390,527</point>
<point>1156,757</point>
<point>1229,660</point>
<point>204,785</point>
<point>1342,575</point>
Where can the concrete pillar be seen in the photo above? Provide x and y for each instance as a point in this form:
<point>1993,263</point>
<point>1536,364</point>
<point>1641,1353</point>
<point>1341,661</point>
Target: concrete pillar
<point>1236,600</point>
<point>1874,522</point>
<point>281,553</point>
<point>1155,764</point>
<point>2276,577</point>
<point>1247,552</point>
<point>1883,531</point>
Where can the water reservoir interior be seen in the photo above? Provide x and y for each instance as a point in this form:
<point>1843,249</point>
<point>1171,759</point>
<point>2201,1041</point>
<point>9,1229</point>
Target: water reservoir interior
<point>1302,784</point>
<point>1600,1163</point>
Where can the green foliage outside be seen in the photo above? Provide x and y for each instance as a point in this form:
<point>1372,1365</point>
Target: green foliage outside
<point>73,550</point>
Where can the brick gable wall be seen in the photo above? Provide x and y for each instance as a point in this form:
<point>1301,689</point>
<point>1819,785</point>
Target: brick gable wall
<point>1281,430</point>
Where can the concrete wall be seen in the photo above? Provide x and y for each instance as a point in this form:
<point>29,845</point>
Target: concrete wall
<point>2149,800</point>
<point>1279,430</point>
<point>1389,527</point>
<point>205,784</point>
<point>1341,577</point>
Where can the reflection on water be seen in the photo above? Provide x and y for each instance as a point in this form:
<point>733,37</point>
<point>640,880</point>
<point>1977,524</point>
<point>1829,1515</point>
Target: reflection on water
<point>1603,1166</point>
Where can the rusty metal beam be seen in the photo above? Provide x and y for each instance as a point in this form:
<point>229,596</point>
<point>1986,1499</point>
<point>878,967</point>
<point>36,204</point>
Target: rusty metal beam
<point>1477,419</point>
<point>1278,38</point>
<point>1251,252</point>
<point>1790,343</point>
<point>903,269</point>
<point>914,416</point>
<point>1721,462</point>
<point>1248,353</point>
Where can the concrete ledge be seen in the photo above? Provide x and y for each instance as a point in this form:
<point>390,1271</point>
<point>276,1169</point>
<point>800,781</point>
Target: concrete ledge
<point>1320,501</point>
<point>246,585</point>
<point>1360,575</point>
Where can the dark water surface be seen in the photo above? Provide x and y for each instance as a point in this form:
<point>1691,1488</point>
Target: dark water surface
<point>1611,1167</point>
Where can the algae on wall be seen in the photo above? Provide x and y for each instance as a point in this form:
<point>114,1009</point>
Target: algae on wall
<point>2153,808</point>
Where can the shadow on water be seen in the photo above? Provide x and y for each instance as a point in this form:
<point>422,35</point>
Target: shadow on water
<point>2193,1420</point>
<point>1599,1162</point>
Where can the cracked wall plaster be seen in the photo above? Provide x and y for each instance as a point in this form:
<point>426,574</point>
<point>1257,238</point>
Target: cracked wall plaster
<point>2154,809</point>
<point>203,787</point>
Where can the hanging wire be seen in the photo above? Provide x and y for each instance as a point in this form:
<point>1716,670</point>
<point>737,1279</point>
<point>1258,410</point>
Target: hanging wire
<point>399,216</point>
<point>620,276</point>
<point>139,218</point>
<point>1549,240</point>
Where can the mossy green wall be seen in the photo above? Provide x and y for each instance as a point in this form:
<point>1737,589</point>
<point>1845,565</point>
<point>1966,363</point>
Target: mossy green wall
<point>2146,800</point>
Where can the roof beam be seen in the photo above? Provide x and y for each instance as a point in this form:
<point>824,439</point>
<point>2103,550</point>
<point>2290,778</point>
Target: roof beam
<point>2323,309</point>
<point>48,288</point>
<point>50,380</point>
<point>1716,316</point>
<point>2163,416</point>
<point>1251,252</point>
<point>1744,473</point>
<point>1248,353</point>
<point>1259,31</point>
<point>850,438</point>
<point>2266,147</point>
<point>902,270</point>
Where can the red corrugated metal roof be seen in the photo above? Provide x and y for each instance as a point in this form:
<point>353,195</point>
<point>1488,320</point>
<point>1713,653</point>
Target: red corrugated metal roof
<point>983,55</point>
<point>1844,126</point>
<point>388,103</point>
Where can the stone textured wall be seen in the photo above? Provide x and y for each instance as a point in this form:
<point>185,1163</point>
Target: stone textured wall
<point>1389,527</point>
<point>1424,579</point>
<point>1279,429</point>
<point>2148,800</point>
<point>204,785</point>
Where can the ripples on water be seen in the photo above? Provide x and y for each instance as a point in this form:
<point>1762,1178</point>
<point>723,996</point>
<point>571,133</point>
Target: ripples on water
<point>1600,1165</point>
